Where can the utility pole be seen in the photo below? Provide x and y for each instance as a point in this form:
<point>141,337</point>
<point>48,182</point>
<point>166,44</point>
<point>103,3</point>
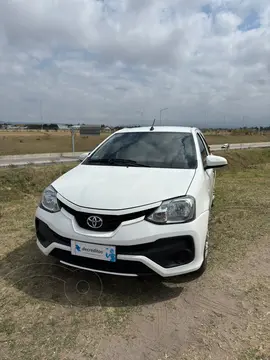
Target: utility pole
<point>72,130</point>
<point>160,111</point>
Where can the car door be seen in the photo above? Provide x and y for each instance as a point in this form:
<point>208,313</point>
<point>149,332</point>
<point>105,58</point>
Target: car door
<point>209,173</point>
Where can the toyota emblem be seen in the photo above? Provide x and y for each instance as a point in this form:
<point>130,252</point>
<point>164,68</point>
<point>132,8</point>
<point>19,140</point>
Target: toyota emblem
<point>94,222</point>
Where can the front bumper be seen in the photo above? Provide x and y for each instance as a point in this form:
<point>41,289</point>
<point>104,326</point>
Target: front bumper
<point>142,248</point>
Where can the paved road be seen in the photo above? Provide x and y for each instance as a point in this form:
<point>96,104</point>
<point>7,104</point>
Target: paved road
<point>40,159</point>
<point>243,146</point>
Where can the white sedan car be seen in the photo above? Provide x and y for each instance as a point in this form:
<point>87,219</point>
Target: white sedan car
<point>225,146</point>
<point>138,204</point>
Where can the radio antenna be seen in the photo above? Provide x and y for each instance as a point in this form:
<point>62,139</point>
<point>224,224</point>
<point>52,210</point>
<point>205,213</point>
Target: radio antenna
<point>152,127</point>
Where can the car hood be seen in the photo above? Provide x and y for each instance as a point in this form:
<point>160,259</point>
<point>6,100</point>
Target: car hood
<point>119,187</point>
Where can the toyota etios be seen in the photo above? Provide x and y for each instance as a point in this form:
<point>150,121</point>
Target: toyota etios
<point>138,204</point>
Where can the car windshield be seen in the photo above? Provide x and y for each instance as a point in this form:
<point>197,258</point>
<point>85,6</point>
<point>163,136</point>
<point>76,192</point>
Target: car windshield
<point>147,149</point>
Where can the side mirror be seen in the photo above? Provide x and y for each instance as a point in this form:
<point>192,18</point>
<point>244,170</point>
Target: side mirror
<point>83,156</point>
<point>214,161</point>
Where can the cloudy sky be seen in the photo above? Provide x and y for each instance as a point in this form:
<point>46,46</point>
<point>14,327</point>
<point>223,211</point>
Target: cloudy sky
<point>121,61</point>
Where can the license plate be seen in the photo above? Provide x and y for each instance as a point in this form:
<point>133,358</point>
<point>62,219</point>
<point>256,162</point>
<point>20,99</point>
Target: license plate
<point>93,251</point>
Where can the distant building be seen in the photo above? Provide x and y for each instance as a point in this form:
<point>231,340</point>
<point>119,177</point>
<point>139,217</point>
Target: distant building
<point>63,127</point>
<point>107,129</point>
<point>12,127</point>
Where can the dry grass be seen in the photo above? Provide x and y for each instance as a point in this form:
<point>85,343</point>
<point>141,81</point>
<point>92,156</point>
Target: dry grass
<point>236,139</point>
<point>241,160</point>
<point>48,311</point>
<point>12,143</point>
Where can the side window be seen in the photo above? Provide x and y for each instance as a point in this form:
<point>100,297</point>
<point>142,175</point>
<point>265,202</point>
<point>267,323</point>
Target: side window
<point>205,142</point>
<point>203,149</point>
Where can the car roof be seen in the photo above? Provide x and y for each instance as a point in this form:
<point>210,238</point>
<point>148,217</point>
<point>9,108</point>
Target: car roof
<point>180,129</point>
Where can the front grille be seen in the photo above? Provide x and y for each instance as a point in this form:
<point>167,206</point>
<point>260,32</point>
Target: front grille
<point>110,222</point>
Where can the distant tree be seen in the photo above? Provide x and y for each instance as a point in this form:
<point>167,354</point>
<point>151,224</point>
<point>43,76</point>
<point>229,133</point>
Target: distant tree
<point>34,126</point>
<point>50,127</point>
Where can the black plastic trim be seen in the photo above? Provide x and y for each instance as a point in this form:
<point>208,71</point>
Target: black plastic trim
<point>110,222</point>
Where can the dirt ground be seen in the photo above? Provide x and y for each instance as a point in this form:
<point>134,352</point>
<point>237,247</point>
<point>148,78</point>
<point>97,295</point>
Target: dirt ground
<point>49,311</point>
<point>224,315</point>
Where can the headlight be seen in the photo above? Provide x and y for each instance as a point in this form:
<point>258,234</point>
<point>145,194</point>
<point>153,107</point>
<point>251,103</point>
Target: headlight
<point>177,210</point>
<point>49,200</point>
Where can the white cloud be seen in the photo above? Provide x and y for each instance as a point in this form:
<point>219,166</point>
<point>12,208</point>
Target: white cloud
<point>109,60</point>
<point>227,22</point>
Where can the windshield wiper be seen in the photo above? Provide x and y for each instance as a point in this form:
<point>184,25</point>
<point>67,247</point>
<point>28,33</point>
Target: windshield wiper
<point>111,161</point>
